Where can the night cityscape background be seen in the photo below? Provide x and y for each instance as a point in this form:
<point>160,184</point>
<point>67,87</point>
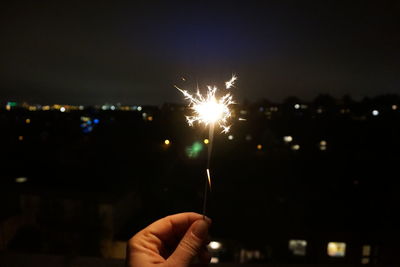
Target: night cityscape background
<point>95,144</point>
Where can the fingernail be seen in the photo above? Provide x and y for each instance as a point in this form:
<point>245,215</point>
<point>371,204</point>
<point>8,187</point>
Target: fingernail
<point>200,229</point>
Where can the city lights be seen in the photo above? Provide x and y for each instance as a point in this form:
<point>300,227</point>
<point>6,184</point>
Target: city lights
<point>27,121</point>
<point>259,146</point>
<point>295,147</point>
<point>139,108</point>
<point>206,141</point>
<point>21,180</point>
<point>62,109</point>
<point>336,249</point>
<point>298,247</point>
<point>287,139</point>
<point>215,245</point>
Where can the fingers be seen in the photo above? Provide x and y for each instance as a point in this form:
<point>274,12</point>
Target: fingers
<point>174,225</point>
<point>191,244</point>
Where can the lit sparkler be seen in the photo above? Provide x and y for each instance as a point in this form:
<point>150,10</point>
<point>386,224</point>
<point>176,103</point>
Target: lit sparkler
<point>210,110</point>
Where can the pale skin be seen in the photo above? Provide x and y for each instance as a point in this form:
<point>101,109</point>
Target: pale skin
<point>174,241</point>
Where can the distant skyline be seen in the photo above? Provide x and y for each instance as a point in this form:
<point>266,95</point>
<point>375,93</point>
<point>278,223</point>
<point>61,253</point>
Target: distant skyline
<point>93,53</point>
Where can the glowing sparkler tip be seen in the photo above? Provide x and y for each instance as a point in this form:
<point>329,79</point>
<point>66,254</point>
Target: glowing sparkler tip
<point>231,82</point>
<point>210,109</point>
<point>209,178</point>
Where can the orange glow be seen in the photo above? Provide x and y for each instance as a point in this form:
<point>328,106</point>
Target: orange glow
<point>20,138</point>
<point>27,121</point>
<point>259,146</point>
<point>167,142</point>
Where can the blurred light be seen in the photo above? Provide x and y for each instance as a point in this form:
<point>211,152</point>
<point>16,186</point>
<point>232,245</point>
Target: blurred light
<point>96,121</point>
<point>144,115</point>
<point>259,146</point>
<point>206,141</point>
<point>112,107</point>
<point>298,247</point>
<point>336,249</point>
<point>394,107</point>
<point>230,137</point>
<point>27,121</point>
<point>296,106</point>
<point>32,108</point>
<point>295,147</point>
<point>287,139</point>
<point>8,107</point>
<point>167,142</point>
<point>21,180</point>
<point>62,109</point>
<point>323,143</point>
<point>214,260</point>
<point>150,118</point>
<point>248,137</point>
<point>46,108</point>
<point>366,250</point>
<point>365,261</point>
<point>243,112</point>
<point>194,150</point>
<point>375,112</point>
<point>215,245</point>
<point>139,108</point>
<point>20,138</point>
<point>320,110</point>
<point>81,107</point>
<point>322,148</point>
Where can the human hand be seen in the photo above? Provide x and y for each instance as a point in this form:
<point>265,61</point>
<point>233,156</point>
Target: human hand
<point>174,241</point>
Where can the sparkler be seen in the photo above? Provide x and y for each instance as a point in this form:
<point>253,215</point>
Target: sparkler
<point>211,111</point>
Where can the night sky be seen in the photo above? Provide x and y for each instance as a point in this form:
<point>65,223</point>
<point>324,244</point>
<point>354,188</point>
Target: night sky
<point>92,53</point>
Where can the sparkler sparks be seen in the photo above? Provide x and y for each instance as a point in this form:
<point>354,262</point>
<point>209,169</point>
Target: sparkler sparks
<point>210,109</point>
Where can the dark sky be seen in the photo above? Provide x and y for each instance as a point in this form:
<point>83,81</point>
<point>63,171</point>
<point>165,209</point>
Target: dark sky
<point>76,52</point>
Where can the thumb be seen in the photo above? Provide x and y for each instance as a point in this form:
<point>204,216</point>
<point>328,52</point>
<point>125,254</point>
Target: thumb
<point>191,244</point>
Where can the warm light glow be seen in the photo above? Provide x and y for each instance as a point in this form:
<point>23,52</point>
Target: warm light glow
<point>21,180</point>
<point>46,108</point>
<point>394,107</point>
<point>150,118</point>
<point>27,121</point>
<point>62,109</point>
<point>336,249</point>
<point>259,146</point>
<point>214,260</point>
<point>167,142</point>
<point>230,137</point>
<point>210,109</point>
<point>287,139</point>
<point>206,141</point>
<point>215,245</point>
<point>295,147</point>
<point>139,108</point>
<point>323,143</point>
<point>298,247</point>
<point>20,138</point>
<point>297,106</point>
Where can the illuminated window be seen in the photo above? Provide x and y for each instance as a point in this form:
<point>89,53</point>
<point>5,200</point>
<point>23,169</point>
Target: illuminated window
<point>215,245</point>
<point>21,180</point>
<point>287,139</point>
<point>295,147</point>
<point>298,247</point>
<point>366,250</point>
<point>336,249</point>
<point>214,260</point>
